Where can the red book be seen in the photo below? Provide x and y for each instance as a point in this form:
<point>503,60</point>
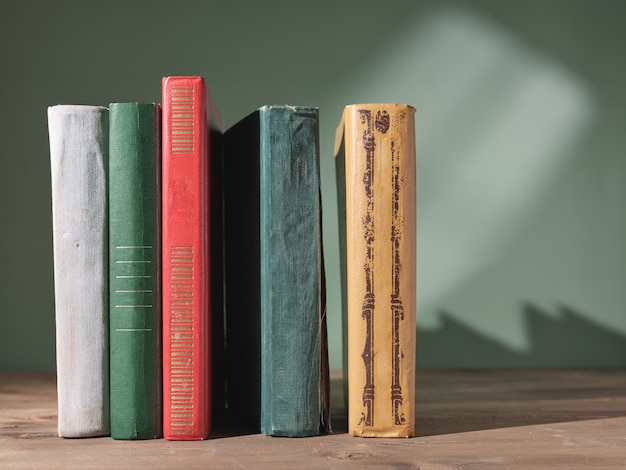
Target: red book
<point>186,264</point>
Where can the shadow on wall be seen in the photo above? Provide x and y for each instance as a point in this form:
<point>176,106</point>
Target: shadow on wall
<point>553,342</point>
<point>500,124</point>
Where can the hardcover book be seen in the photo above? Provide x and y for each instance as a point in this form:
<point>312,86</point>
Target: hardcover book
<point>375,167</point>
<point>188,113</point>
<point>134,270</point>
<point>78,160</point>
<point>274,274</point>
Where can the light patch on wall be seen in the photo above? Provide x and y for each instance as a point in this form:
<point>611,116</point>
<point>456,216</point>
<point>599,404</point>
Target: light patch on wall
<point>496,123</point>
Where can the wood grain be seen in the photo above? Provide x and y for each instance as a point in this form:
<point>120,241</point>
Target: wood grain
<point>465,420</point>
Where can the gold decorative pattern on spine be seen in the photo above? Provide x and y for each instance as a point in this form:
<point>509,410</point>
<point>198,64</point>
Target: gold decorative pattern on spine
<point>181,338</point>
<point>182,104</point>
<point>368,307</point>
<point>397,307</point>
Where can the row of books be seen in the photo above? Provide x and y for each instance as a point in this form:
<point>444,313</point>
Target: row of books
<point>189,274</point>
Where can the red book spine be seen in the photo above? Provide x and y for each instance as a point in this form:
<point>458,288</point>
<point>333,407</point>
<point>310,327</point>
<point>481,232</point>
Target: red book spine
<point>185,232</point>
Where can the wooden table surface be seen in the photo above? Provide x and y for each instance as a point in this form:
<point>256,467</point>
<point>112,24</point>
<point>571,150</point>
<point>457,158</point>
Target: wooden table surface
<point>469,419</point>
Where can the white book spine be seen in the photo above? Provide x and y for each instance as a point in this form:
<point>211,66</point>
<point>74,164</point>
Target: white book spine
<point>78,161</point>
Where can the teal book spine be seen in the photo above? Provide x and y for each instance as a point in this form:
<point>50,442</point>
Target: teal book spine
<point>134,270</point>
<point>292,307</point>
<point>277,358</point>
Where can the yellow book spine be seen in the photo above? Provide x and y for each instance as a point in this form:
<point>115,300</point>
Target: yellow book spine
<point>379,145</point>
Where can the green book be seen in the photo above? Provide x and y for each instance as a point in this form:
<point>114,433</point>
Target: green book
<point>134,270</point>
<point>274,273</point>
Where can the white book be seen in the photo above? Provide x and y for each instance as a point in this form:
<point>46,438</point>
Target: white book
<point>78,161</point>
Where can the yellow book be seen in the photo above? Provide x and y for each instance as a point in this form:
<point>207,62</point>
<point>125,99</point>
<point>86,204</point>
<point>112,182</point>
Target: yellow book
<point>376,176</point>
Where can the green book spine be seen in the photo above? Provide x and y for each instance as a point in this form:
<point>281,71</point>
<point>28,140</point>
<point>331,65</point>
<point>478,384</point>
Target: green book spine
<point>293,359</point>
<point>134,270</point>
<point>276,348</point>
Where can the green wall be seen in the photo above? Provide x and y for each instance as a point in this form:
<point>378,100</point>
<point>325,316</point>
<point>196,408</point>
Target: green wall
<point>521,149</point>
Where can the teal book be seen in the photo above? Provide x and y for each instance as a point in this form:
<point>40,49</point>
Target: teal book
<point>134,270</point>
<point>276,349</point>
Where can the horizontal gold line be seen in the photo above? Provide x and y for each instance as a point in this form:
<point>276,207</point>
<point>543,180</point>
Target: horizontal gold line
<point>134,306</point>
<point>133,329</point>
<point>131,291</point>
<point>131,246</point>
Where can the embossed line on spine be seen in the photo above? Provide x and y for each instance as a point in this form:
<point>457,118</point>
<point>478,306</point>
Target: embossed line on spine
<point>181,358</point>
<point>182,106</point>
<point>397,307</point>
<point>369,300</point>
<point>132,281</point>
